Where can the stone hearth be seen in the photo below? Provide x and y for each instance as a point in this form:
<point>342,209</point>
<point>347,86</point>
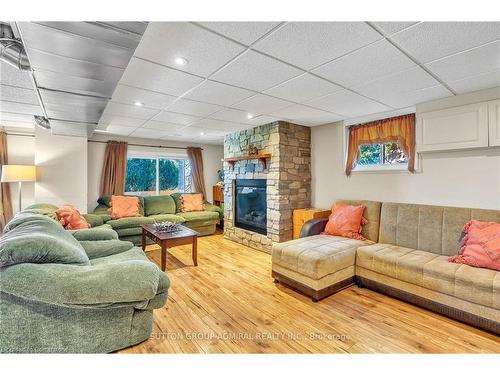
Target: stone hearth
<point>288,176</point>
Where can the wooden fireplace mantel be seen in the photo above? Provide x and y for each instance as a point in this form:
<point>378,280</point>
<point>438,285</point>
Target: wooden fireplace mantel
<point>262,157</point>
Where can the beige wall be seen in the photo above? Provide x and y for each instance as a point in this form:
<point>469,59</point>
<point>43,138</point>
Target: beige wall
<point>21,150</point>
<point>61,169</point>
<point>458,178</point>
<point>212,155</point>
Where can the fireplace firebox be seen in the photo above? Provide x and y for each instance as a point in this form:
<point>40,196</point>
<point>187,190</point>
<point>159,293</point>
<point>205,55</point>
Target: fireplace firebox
<point>250,205</point>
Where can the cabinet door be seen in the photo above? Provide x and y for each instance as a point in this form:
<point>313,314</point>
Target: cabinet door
<point>494,122</point>
<point>454,128</point>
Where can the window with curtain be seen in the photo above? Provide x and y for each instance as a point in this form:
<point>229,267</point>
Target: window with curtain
<point>156,175</point>
<point>382,144</point>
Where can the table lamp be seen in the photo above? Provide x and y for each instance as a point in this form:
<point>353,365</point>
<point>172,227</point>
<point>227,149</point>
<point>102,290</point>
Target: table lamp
<point>19,174</point>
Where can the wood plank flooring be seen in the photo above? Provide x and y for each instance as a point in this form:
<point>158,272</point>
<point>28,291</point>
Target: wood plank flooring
<point>229,304</point>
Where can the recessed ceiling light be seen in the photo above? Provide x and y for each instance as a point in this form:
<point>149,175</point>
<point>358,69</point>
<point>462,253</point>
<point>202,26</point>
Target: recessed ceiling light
<point>181,61</point>
<point>101,131</point>
<point>249,116</point>
<point>138,104</point>
<point>202,133</point>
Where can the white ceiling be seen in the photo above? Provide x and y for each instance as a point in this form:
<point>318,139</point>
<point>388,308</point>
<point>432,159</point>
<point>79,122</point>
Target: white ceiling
<point>309,73</point>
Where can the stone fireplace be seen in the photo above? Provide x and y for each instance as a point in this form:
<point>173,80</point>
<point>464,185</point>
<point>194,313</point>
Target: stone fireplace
<point>284,180</point>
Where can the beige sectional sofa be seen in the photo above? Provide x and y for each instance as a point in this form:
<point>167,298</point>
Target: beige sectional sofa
<point>405,256</point>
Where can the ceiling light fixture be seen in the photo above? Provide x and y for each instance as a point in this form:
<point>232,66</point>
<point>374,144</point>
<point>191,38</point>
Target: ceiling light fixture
<point>202,133</point>
<point>138,104</point>
<point>181,61</point>
<point>101,131</point>
<point>42,122</point>
<point>249,116</point>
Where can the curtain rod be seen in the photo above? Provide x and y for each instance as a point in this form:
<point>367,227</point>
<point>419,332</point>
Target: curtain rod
<point>152,146</point>
<point>20,134</point>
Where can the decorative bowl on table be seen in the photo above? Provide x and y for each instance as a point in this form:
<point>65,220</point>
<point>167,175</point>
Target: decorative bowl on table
<point>167,226</point>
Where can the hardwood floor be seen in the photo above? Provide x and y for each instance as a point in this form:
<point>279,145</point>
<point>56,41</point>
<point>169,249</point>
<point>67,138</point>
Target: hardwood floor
<point>229,304</point>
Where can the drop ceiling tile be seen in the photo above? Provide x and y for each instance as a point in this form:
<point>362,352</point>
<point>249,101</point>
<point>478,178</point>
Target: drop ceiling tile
<point>175,118</point>
<point>408,80</point>
<point>126,110</point>
<point>149,99</point>
<point>473,62</point>
<point>304,115</point>
<point>18,94</point>
<point>165,126</point>
<point>119,130</point>
<point>19,125</point>
<point>120,121</point>
<point>255,71</point>
<point>232,115</point>
<point>309,44</point>
<point>154,77</point>
<point>390,28</point>
<point>214,124</point>
<point>191,131</point>
<point>15,117</point>
<point>27,109</point>
<point>429,41</point>
<point>262,120</point>
<point>14,77</point>
<point>205,51</point>
<point>366,64</point>
<point>260,104</point>
<point>218,93</point>
<point>191,107</point>
<point>414,97</point>
<point>348,104</point>
<point>243,32</point>
<point>303,88</point>
<point>149,133</point>
<point>475,83</point>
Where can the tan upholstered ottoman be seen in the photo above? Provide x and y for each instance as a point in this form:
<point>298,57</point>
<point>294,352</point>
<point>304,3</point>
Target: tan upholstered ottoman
<point>317,266</point>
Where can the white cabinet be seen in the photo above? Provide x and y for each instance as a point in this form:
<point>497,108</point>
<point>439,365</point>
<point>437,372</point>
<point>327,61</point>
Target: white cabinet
<point>494,122</point>
<point>453,128</point>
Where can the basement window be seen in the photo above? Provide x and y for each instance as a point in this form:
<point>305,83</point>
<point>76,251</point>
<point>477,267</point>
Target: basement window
<point>157,175</point>
<point>381,156</point>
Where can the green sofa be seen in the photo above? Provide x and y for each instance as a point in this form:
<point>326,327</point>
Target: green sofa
<point>156,209</point>
<point>81,291</point>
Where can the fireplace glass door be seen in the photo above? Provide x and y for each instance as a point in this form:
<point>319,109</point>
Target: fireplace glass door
<point>250,209</point>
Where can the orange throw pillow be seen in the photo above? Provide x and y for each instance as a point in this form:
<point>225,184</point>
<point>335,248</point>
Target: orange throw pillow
<point>346,221</point>
<point>192,202</point>
<point>70,218</point>
<point>124,207</point>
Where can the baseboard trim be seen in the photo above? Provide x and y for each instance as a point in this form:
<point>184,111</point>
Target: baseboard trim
<point>451,312</point>
<point>315,295</point>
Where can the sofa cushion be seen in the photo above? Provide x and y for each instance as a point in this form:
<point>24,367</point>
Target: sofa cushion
<point>40,240</point>
<point>177,200</point>
<point>130,222</point>
<point>122,206</point>
<point>100,233</point>
<point>192,203</point>
<point>70,218</point>
<point>105,200</point>
<point>168,217</point>
<point>433,272</point>
<point>158,205</point>
<point>345,221</point>
<point>201,216</point>
<point>316,256</point>
<point>371,213</point>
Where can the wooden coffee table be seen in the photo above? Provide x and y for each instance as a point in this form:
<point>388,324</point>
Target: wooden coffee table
<point>184,236</point>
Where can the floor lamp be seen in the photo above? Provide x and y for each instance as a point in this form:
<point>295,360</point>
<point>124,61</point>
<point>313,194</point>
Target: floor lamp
<point>19,174</point>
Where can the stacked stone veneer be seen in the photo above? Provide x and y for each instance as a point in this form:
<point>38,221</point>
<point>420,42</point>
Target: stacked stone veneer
<point>288,176</point>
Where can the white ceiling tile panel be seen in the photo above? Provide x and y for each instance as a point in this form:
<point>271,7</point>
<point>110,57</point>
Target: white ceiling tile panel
<point>175,118</point>
<point>218,93</point>
<point>14,77</point>
<point>18,94</point>
<point>120,121</point>
<point>261,120</point>
<point>191,107</point>
<point>366,64</point>
<point>348,104</point>
<point>260,104</point>
<point>304,115</point>
<point>154,77</point>
<point>15,117</point>
<point>27,109</point>
<point>243,32</point>
<point>475,83</point>
<point>165,126</point>
<point>476,61</point>
<point>150,99</point>
<point>214,124</point>
<point>127,110</point>
<point>205,51</point>
<point>255,71</point>
<point>393,27</point>
<point>410,98</point>
<point>149,133</point>
<point>19,125</point>
<point>191,131</point>
<point>309,44</point>
<point>429,41</point>
<point>303,88</point>
<point>119,130</point>
<point>232,115</point>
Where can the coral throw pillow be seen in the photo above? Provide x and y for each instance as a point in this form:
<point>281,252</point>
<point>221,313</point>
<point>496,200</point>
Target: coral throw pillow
<point>192,202</point>
<point>481,245</point>
<point>346,221</point>
<point>70,218</point>
<point>124,207</point>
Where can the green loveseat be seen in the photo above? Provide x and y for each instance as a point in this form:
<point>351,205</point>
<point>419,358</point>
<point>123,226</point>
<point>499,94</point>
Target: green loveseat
<point>156,209</point>
<point>81,291</point>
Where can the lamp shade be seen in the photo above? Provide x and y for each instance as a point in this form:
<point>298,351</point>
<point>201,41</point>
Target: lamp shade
<point>17,173</point>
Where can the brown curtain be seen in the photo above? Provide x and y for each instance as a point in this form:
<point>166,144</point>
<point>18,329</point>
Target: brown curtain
<point>114,169</point>
<point>5,198</point>
<point>196,159</point>
<point>399,129</point>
